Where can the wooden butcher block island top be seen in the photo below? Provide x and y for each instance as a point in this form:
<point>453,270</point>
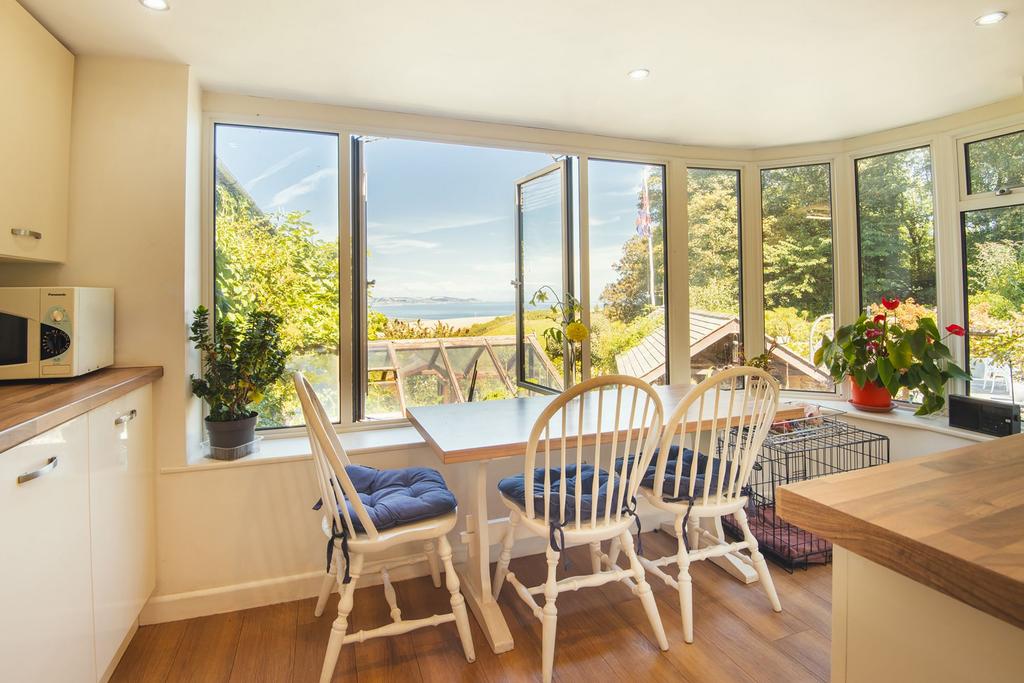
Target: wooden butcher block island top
<point>953,521</point>
<point>29,408</point>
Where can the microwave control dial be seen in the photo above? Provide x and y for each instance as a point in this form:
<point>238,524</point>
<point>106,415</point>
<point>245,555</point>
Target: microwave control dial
<point>58,315</point>
<point>53,342</point>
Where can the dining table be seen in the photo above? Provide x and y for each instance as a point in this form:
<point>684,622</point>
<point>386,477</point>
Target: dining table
<point>484,431</point>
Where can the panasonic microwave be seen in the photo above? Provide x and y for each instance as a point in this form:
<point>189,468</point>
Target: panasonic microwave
<point>55,331</point>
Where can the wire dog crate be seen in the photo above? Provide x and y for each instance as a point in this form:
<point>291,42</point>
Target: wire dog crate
<point>796,450</point>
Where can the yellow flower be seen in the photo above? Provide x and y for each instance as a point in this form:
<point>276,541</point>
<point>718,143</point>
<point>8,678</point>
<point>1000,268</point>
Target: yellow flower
<point>255,396</point>
<point>576,331</point>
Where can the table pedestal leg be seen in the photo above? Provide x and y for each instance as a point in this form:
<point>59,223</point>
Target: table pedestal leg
<point>475,575</point>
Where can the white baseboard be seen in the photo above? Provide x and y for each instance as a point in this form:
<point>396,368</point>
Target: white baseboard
<point>239,596</point>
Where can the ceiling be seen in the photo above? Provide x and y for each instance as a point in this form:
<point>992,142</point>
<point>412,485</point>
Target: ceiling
<point>736,73</point>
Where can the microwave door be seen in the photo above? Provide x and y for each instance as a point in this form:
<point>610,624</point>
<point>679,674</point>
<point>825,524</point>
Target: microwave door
<point>19,347</point>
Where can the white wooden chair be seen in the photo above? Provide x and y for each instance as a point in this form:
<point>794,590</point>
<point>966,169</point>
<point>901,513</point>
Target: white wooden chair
<point>736,406</point>
<point>629,413</point>
<point>351,540</point>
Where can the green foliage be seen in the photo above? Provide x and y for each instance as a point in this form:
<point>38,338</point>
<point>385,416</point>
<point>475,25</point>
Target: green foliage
<point>996,162</point>
<point>239,362</point>
<point>797,238</point>
<point>387,328</point>
<point>610,337</point>
<point>276,262</point>
<point>714,240</point>
<point>895,216</point>
<point>629,296</point>
<point>886,353</point>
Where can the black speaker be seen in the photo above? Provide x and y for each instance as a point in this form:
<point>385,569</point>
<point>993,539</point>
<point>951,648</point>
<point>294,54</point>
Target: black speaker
<point>980,415</point>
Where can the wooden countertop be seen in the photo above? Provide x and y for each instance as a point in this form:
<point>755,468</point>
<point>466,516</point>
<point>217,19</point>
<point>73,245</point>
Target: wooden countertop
<point>29,408</point>
<point>953,521</point>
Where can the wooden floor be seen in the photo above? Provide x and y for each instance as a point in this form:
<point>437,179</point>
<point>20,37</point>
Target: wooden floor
<point>603,635</point>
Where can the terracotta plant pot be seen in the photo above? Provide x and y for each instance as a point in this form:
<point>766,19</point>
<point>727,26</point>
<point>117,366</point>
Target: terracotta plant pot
<point>233,433</point>
<point>872,396</point>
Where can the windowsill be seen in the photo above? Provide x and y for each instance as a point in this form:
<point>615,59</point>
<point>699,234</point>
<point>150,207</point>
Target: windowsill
<point>904,417</point>
<point>402,436</point>
<point>293,448</point>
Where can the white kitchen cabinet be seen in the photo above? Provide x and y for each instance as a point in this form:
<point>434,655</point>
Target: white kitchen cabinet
<point>36,81</point>
<point>121,478</point>
<point>46,606</point>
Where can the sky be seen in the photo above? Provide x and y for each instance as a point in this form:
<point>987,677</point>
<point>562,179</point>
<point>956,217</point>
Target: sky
<point>440,217</point>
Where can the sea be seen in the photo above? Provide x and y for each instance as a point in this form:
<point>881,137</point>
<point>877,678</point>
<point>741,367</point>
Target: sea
<point>445,310</point>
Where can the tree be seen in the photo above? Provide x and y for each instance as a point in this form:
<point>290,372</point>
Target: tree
<point>895,214</point>
<point>714,240</point>
<point>629,296</point>
<point>276,262</point>
<point>797,238</point>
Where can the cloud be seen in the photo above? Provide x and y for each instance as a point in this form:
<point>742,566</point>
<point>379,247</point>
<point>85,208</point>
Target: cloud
<point>303,187</point>
<point>387,244</point>
<point>274,169</point>
<point>416,226</point>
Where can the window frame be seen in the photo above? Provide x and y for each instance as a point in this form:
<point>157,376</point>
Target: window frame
<point>946,137</point>
<point>208,233</point>
<point>583,260</point>
<point>856,207</point>
<point>963,173</point>
<point>353,420</point>
<point>838,291</point>
<point>969,203</point>
<point>741,172</point>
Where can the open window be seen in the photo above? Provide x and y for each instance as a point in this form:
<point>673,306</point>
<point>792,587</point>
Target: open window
<point>543,262</point>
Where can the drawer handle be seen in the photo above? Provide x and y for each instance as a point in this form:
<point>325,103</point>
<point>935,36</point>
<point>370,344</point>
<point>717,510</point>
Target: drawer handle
<point>127,417</point>
<point>51,463</point>
<point>24,232</point>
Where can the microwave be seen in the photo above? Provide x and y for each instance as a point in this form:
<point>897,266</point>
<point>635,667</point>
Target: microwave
<point>55,331</point>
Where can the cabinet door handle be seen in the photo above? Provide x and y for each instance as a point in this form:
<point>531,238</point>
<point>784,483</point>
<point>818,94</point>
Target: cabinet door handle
<point>51,463</point>
<point>126,417</point>
<point>24,232</point>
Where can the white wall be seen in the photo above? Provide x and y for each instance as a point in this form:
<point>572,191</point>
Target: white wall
<point>127,216</point>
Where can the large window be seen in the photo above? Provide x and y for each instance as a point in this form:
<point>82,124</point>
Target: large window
<point>714,257</point>
<point>627,269</point>
<point>995,164</point>
<point>796,214</point>
<point>276,248</point>
<point>439,231</point>
<point>994,282</point>
<point>992,220</point>
<point>896,227</point>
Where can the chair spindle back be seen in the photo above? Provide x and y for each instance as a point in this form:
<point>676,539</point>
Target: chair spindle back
<point>731,412</point>
<point>619,417</point>
<point>337,492</point>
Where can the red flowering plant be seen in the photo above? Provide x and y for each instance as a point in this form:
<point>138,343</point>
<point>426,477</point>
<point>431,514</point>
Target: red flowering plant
<point>882,351</point>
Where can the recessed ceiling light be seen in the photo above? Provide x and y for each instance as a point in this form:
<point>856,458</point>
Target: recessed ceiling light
<point>990,18</point>
<point>158,5</point>
<point>639,74</point>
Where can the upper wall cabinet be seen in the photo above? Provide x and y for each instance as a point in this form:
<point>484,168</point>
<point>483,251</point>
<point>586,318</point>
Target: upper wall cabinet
<point>36,78</point>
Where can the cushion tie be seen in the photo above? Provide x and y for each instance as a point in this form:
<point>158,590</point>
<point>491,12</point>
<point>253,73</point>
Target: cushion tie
<point>336,535</point>
<point>686,518</point>
<point>343,536</point>
<point>556,537</point>
<point>631,510</point>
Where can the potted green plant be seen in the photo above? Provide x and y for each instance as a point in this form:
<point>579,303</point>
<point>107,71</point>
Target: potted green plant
<point>570,330</point>
<point>882,357</point>
<point>240,360</point>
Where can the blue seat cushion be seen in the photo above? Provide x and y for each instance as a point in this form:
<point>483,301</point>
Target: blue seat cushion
<point>514,488</point>
<point>685,463</point>
<point>394,497</point>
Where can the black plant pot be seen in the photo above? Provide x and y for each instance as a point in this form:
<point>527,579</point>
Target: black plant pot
<point>232,433</point>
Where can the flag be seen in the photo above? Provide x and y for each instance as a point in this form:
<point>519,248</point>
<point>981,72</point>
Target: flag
<point>643,216</point>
